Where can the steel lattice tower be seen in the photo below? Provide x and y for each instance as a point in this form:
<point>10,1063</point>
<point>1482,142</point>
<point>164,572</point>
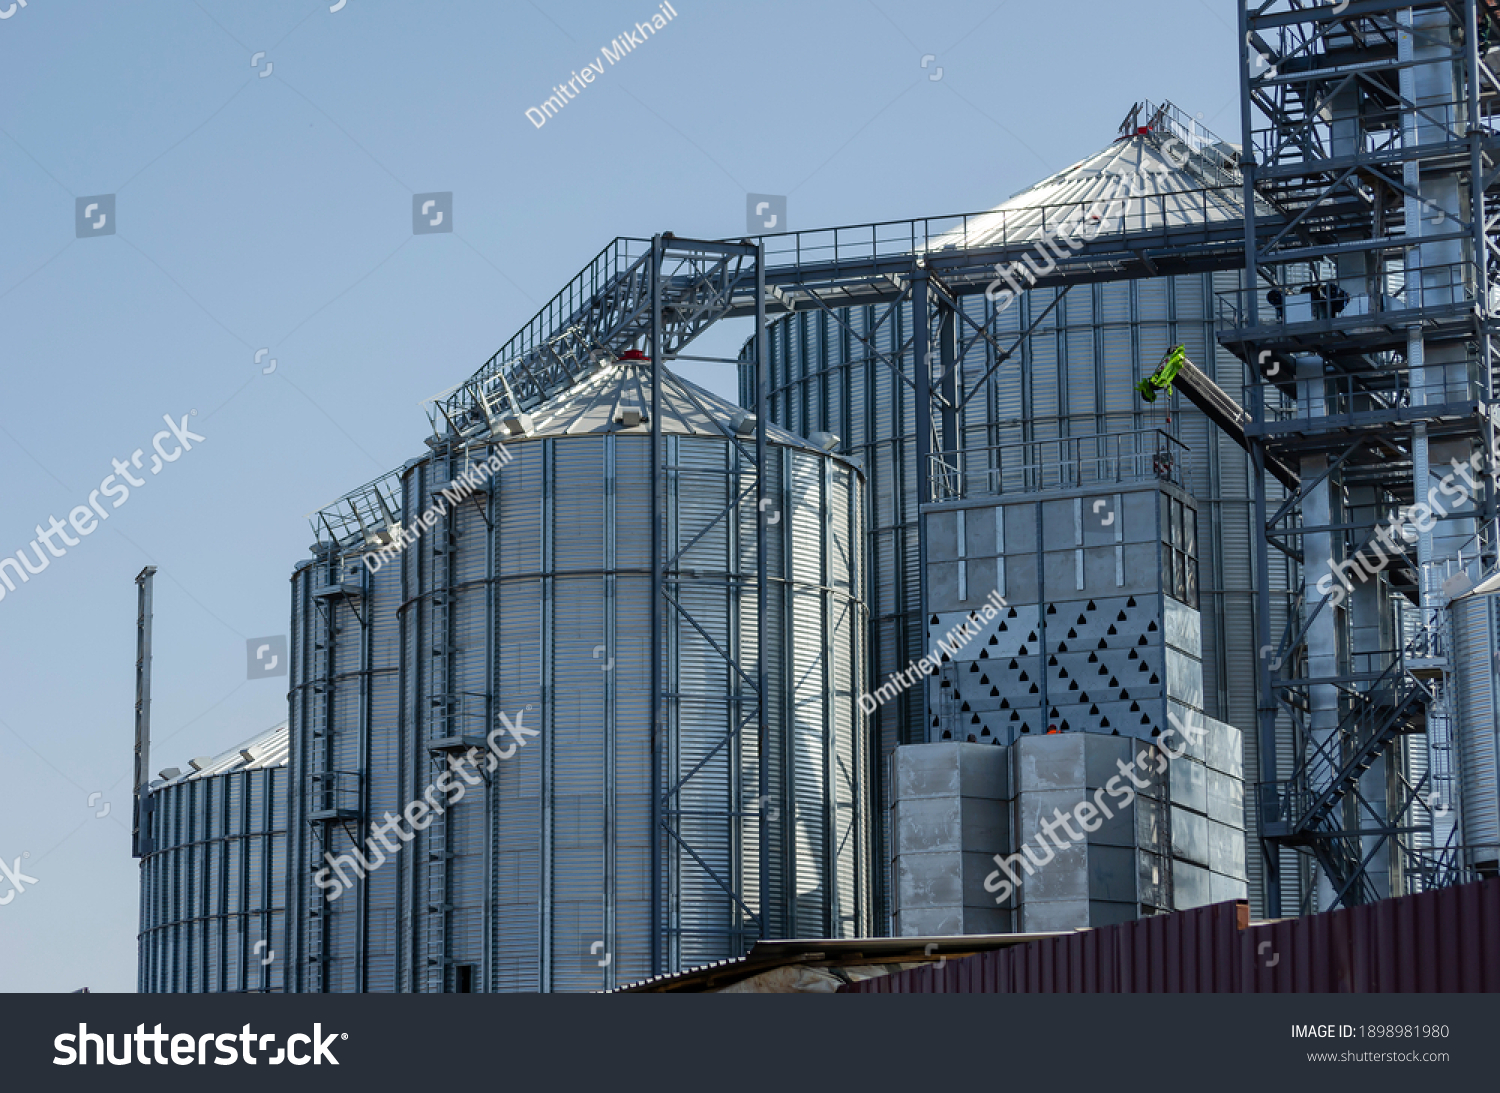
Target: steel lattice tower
<point>1367,316</point>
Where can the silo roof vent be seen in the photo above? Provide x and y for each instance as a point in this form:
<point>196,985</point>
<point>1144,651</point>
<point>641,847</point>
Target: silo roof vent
<point>520,425</point>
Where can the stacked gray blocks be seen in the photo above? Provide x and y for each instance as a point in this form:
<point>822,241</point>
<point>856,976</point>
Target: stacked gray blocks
<point>1178,842</point>
<point>1115,873</point>
<point>1208,815</point>
<point>1208,787</point>
<point>951,816</point>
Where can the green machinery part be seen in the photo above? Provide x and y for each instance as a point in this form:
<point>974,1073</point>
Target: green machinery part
<point>1166,372</point>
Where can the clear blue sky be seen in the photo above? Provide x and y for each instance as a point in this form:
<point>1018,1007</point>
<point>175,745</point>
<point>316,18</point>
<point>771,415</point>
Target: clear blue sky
<point>276,212</point>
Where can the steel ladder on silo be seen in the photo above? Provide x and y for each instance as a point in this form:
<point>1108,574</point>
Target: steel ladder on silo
<point>324,804</point>
<point>441,728</point>
<point>322,684</point>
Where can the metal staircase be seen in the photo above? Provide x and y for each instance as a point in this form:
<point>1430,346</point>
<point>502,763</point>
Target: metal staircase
<point>1320,805</point>
<point>605,310</point>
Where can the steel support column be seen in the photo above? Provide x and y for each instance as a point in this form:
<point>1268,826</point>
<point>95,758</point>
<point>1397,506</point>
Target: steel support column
<point>658,898</point>
<point>762,594</point>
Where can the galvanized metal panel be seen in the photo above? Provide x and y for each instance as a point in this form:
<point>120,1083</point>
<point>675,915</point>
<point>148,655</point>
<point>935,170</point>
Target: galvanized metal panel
<point>1080,387</point>
<point>1474,632</point>
<point>519,792</point>
<point>1046,387</point>
<point>578,510</point>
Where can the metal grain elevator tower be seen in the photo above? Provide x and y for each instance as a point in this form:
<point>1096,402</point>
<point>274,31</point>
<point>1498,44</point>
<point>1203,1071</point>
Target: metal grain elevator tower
<point>1367,314</point>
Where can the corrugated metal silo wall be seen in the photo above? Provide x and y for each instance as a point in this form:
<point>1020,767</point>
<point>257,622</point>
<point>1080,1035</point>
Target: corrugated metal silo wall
<point>385,793</point>
<point>1474,633</point>
<point>213,885</point>
<point>573,626</point>
<point>342,701</point>
<point>1073,375</point>
<point>548,614</point>
<point>436,919</point>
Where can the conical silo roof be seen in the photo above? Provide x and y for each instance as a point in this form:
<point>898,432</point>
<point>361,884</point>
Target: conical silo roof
<point>1149,178</point>
<point>267,749</point>
<point>604,403</point>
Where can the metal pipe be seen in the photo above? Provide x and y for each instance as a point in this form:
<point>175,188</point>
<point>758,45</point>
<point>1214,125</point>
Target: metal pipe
<point>1477,135</point>
<point>762,592</point>
<point>1247,173</point>
<point>921,294</point>
<point>140,834</point>
<point>1266,806</point>
<point>491,688</point>
<point>658,904</point>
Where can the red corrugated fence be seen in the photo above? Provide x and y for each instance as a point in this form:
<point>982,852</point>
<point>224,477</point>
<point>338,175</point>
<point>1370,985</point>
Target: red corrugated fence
<point>1446,941</point>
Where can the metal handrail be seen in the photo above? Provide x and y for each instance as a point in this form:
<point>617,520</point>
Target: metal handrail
<point>1268,141</point>
<point>851,242</point>
<point>560,312</point>
<point>1349,395</point>
<point>1451,285</point>
<point>958,232</point>
<point>1029,466</point>
<point>332,790</point>
<point>1446,865</point>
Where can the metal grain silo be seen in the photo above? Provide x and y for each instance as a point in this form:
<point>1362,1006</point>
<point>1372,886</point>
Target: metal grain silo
<point>344,709</point>
<point>1476,637</point>
<point>1074,358</point>
<point>213,873</point>
<point>501,591</point>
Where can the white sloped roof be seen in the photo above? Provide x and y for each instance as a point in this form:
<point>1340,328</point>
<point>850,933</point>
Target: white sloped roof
<point>269,749</point>
<point>1141,182</point>
<point>686,409</point>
